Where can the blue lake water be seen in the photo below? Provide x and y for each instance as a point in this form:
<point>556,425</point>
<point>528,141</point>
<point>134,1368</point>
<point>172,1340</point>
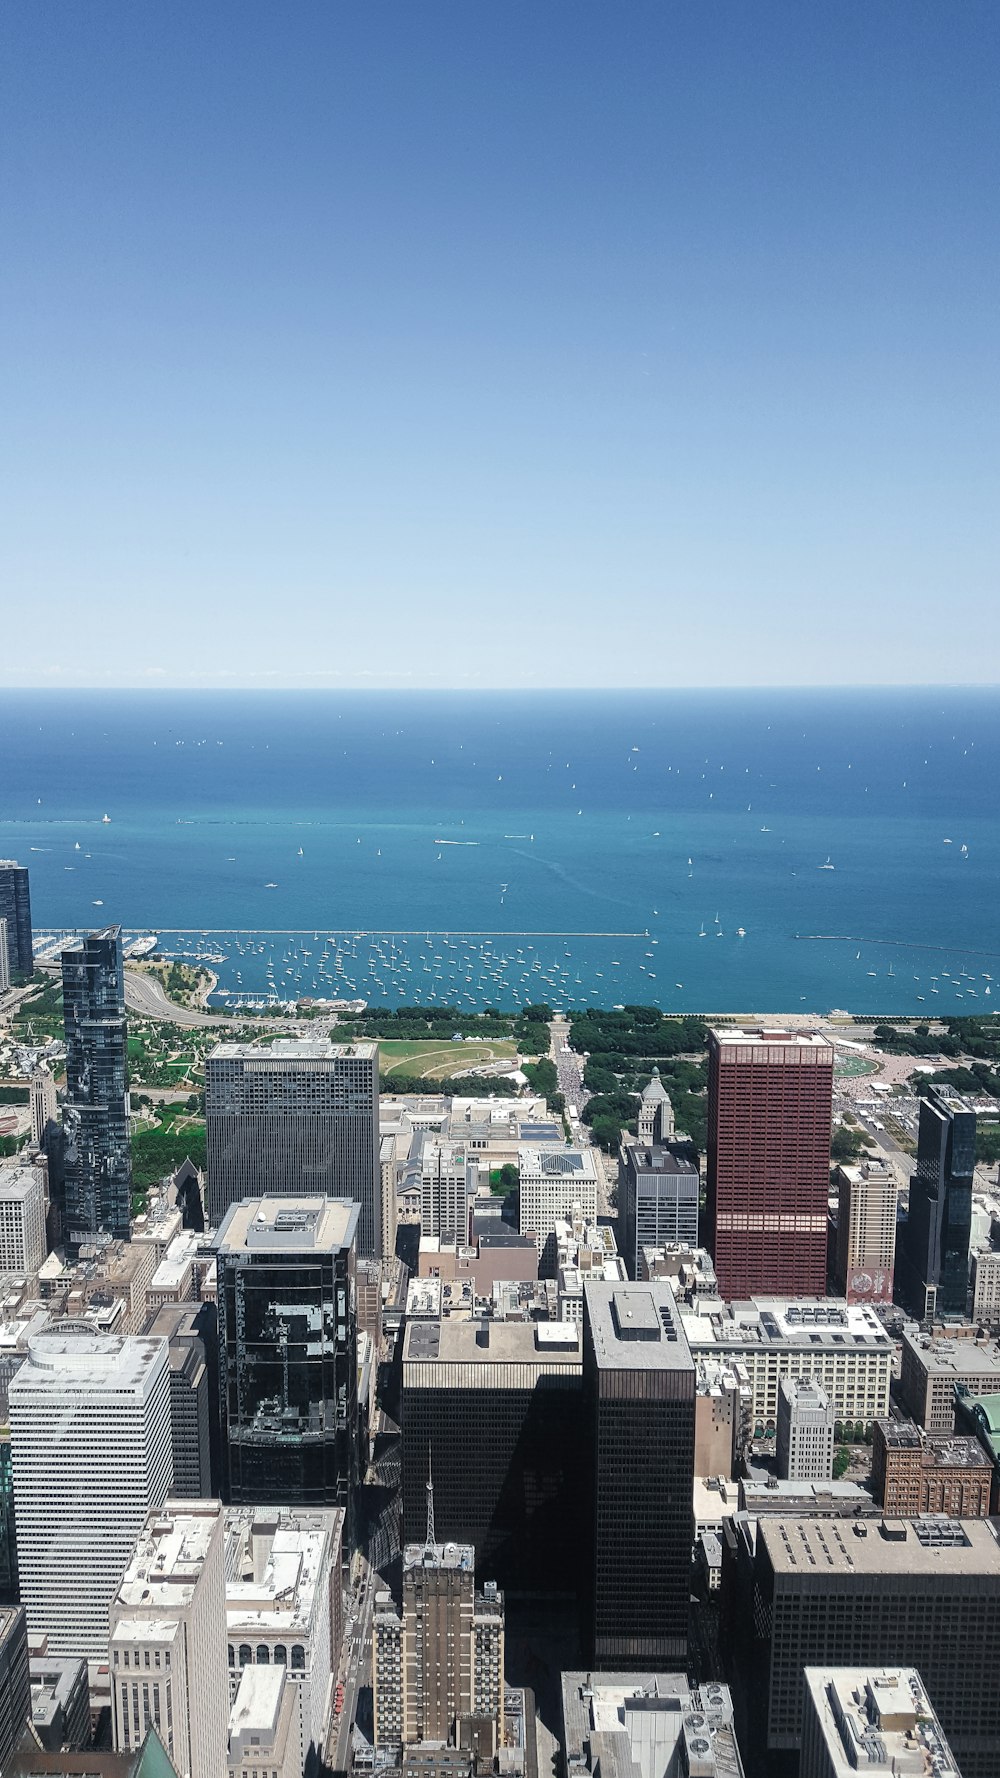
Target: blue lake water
<point>571,847</point>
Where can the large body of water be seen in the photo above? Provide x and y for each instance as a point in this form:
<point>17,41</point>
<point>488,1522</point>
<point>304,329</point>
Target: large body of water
<point>486,848</point>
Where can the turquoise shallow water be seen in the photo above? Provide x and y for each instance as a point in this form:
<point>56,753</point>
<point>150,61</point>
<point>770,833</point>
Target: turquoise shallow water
<point>496,818</point>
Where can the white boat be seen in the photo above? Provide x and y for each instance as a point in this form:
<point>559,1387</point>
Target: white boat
<point>827,866</point>
<point>741,932</point>
<point>106,820</point>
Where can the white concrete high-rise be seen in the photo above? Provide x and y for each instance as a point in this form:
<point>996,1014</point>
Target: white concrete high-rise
<point>553,1183</point>
<point>22,1218</point>
<point>805,1431</point>
<point>4,959</point>
<point>168,1639</point>
<point>91,1458</point>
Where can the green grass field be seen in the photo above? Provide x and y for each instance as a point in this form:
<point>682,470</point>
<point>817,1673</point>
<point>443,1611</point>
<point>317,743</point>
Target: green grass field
<point>439,1061</point>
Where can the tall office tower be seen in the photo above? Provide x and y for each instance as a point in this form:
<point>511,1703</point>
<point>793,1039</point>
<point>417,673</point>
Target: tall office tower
<point>639,1385</point>
<point>98,1160</point>
<point>168,1639</point>
<point>15,1683</point>
<point>438,1667</point>
<point>298,1118</point>
<point>933,1262</point>
<point>770,1102</point>
<point>446,1176</point>
<point>4,958</point>
<point>288,1352</point>
<point>90,1441</point>
<point>873,1720</point>
<point>803,1593</point>
<point>551,1183</point>
<point>656,1114</point>
<point>15,908</point>
<point>388,1173</point>
<point>658,1189</point>
<point>22,1218</point>
<point>42,1093</point>
<point>867,1196</point>
<point>806,1423</point>
<point>494,1407</point>
<point>182,1325</point>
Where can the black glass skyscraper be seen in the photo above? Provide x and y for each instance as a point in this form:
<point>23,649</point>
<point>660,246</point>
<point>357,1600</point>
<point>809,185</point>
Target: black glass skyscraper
<point>98,1162</point>
<point>15,908</point>
<point>932,1250</point>
<point>288,1352</point>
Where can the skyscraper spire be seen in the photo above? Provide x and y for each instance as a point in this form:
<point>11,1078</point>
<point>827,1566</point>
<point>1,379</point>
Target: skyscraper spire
<point>430,1539</point>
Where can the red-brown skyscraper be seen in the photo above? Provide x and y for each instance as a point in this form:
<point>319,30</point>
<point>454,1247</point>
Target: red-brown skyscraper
<point>770,1100</point>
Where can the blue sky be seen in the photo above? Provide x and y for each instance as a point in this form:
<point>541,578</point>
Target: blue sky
<point>498,344</point>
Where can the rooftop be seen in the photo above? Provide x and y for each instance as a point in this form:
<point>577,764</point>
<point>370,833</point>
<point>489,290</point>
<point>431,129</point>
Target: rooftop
<point>648,1724</point>
<point>74,1354</point>
<point>288,1225</point>
<point>289,1050</point>
<point>276,1557</point>
<point>258,1704</point>
<point>768,1036</point>
<point>459,1556</point>
<point>956,1358</point>
<point>572,1163</point>
<point>636,1327</point>
<point>490,1344</point>
<point>890,1546</point>
<point>169,1556</point>
<point>764,1321</point>
<point>941,1450</point>
<point>881,1721</point>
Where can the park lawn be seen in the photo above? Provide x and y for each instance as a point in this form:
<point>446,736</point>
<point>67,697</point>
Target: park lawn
<point>440,1061</point>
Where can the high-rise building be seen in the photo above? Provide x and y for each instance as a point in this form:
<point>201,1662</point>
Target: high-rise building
<point>42,1093</point>
<point>916,1472</point>
<point>288,1351</point>
<point>879,1721</point>
<point>4,958</point>
<point>934,1367</point>
<point>168,1639</point>
<point>439,1662</point>
<point>551,1184</point>
<point>842,1346</point>
<point>97,1158</point>
<point>284,1608</point>
<point>658,1191</point>
<point>932,1274</point>
<point>494,1408</point>
<point>297,1118</point>
<point>867,1196</point>
<point>801,1593</point>
<point>90,1442</point>
<point>656,1114</point>
<point>15,908</point>
<point>15,1684</point>
<point>22,1218</point>
<point>446,1175</point>
<point>804,1443</point>
<point>639,1385</point>
<point>770,1099</point>
<point>192,1393</point>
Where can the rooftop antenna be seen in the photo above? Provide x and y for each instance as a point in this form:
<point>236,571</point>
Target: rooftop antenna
<point>430,1539</point>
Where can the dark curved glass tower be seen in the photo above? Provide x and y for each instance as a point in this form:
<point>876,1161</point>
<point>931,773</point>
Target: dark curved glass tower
<point>98,1161</point>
